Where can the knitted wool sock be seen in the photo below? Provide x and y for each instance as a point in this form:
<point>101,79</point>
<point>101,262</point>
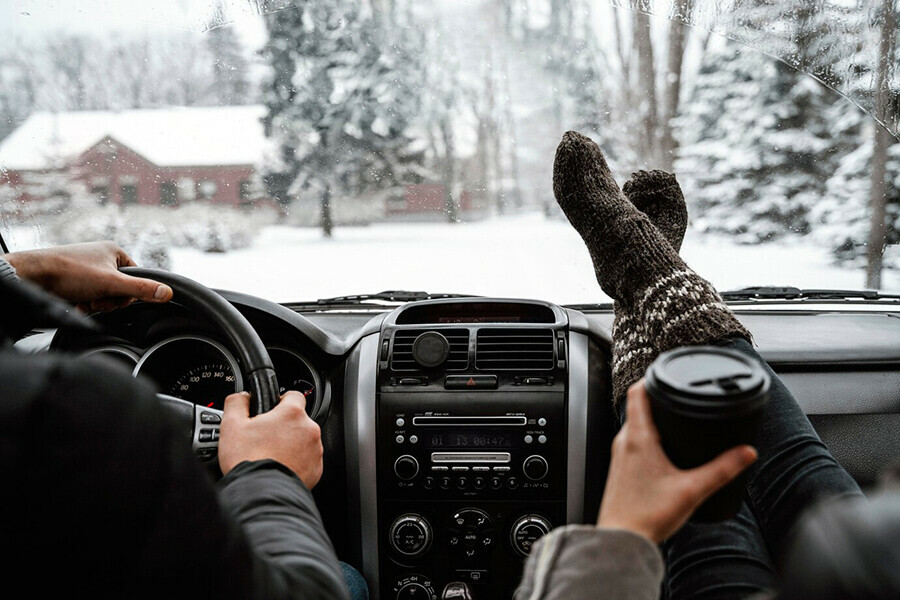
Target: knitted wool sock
<point>633,262</point>
<point>657,195</point>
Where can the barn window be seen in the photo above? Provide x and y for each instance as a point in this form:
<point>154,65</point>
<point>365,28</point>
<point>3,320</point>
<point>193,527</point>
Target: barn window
<point>208,189</point>
<point>129,194</point>
<point>101,192</point>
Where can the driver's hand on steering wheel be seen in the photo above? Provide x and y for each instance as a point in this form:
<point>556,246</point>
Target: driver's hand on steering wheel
<point>87,275</point>
<point>285,434</point>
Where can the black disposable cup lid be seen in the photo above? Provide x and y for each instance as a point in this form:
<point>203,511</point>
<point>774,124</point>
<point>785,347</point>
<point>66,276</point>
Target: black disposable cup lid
<point>708,381</point>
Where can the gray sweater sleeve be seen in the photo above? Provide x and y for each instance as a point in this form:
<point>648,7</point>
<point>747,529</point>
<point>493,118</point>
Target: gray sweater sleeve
<point>7,271</point>
<point>582,561</point>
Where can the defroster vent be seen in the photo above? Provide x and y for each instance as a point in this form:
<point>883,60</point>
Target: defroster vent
<point>402,355</point>
<point>514,350</point>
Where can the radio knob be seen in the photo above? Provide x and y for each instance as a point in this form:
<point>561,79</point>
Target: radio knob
<point>535,467</point>
<point>526,531</point>
<point>410,535</point>
<point>406,467</point>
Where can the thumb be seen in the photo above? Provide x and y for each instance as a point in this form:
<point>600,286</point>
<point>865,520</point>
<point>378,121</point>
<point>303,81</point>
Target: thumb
<point>717,473</point>
<point>139,288</point>
<point>237,406</point>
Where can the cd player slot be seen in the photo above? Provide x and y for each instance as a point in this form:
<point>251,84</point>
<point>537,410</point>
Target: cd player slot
<point>471,421</point>
<point>470,457</point>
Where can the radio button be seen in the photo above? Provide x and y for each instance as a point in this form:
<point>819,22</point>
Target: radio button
<point>413,439</point>
<point>542,439</point>
<point>406,467</point>
<point>501,469</point>
<point>478,483</point>
<point>542,421</point>
<point>440,468</point>
<point>528,439</point>
<point>481,469</point>
<point>445,483</point>
<point>496,483</point>
<point>428,483</point>
<point>512,483</point>
<point>462,483</point>
<point>460,469</point>
<point>400,422</point>
<point>399,439</point>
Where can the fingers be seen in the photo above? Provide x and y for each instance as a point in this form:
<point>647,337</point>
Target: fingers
<point>294,398</point>
<point>237,406</point>
<point>714,475</point>
<point>637,409</point>
<point>147,290</point>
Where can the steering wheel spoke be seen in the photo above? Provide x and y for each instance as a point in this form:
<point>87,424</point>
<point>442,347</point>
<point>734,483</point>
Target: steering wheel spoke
<point>197,423</point>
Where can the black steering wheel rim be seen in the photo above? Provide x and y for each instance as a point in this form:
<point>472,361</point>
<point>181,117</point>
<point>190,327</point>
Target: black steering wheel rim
<point>259,374</point>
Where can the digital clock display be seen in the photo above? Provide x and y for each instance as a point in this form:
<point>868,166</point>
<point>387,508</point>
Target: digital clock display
<point>471,440</point>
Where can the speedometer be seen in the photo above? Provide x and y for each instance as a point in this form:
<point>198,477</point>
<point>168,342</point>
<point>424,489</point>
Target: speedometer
<point>193,368</point>
<point>207,385</point>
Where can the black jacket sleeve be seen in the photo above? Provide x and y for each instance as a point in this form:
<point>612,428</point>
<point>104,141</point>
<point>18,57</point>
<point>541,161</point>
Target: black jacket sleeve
<point>101,490</point>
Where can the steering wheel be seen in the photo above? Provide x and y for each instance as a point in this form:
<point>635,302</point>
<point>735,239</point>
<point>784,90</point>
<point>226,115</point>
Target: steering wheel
<point>200,422</point>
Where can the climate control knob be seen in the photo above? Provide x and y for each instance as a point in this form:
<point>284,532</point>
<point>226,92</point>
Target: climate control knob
<point>535,467</point>
<point>406,467</point>
<point>526,531</point>
<point>410,535</point>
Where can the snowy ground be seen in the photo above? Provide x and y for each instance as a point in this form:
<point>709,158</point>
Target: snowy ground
<point>525,256</point>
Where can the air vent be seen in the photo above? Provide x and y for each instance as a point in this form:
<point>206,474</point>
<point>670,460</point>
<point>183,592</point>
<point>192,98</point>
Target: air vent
<point>402,356</point>
<point>514,350</point>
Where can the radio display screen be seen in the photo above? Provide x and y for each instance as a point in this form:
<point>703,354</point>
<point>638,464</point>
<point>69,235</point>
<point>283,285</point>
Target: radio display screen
<point>471,439</point>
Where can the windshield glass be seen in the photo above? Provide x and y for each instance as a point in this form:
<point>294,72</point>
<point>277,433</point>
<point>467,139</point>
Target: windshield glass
<point>306,149</point>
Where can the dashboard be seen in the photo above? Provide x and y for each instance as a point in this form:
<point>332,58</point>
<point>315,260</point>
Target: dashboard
<point>458,431</point>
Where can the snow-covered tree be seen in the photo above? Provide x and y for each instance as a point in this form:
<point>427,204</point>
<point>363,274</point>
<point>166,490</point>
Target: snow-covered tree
<point>230,68</point>
<point>343,90</point>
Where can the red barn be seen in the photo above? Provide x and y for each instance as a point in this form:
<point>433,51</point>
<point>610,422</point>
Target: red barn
<point>162,156</point>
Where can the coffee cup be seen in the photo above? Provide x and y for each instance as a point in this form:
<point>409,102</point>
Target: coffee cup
<point>705,400</point>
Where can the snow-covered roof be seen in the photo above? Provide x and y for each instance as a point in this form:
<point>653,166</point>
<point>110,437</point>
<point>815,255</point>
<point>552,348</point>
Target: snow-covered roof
<point>170,137</point>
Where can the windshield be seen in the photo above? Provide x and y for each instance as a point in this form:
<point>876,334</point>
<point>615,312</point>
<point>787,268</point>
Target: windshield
<point>306,149</point>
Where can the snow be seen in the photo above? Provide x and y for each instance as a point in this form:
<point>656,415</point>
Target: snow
<point>524,256</point>
<point>179,136</point>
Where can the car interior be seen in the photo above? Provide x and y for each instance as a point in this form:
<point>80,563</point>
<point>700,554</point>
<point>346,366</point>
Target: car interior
<point>459,430</point>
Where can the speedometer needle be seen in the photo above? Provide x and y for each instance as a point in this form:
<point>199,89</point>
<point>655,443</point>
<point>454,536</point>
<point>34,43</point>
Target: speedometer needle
<point>210,405</point>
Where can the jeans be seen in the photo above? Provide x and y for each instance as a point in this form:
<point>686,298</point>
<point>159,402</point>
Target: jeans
<point>355,582</point>
<point>742,556</point>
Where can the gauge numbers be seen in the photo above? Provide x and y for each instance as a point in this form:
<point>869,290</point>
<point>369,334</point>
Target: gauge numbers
<point>206,385</point>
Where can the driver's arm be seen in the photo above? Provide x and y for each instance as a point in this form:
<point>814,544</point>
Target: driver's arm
<point>101,486</point>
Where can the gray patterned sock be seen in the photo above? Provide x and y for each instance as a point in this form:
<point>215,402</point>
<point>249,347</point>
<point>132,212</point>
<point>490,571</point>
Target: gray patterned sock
<point>634,263</point>
<point>657,195</point>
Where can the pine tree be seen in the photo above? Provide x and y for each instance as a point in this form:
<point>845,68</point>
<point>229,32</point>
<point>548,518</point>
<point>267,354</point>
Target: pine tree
<point>230,69</point>
<point>756,145</point>
<point>344,88</point>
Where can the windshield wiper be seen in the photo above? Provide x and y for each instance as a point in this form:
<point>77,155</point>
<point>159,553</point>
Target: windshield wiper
<point>386,296</point>
<point>793,293</point>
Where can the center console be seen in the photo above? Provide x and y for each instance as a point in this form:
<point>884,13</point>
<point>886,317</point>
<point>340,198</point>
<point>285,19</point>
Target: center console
<point>472,452</point>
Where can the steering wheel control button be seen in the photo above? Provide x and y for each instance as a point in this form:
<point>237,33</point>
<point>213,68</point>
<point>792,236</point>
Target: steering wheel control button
<point>470,382</point>
<point>209,418</point>
<point>406,467</point>
<point>206,435</point>
<point>535,467</point>
<point>430,349</point>
<point>410,535</point>
<point>206,453</point>
<point>526,531</point>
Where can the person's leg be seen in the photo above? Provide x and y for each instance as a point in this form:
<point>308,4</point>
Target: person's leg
<point>726,560</point>
<point>356,583</point>
<point>795,469</point>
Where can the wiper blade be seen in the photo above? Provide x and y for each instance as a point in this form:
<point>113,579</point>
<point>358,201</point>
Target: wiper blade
<point>387,296</point>
<point>793,293</point>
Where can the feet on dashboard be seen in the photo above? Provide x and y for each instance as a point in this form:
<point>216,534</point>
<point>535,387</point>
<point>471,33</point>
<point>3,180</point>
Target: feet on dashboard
<point>662,303</point>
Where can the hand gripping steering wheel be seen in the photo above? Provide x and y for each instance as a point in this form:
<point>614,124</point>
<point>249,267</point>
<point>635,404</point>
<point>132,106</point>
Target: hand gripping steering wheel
<point>259,375</point>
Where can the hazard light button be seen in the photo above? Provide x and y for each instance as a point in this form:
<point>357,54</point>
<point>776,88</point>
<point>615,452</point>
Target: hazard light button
<point>470,382</point>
